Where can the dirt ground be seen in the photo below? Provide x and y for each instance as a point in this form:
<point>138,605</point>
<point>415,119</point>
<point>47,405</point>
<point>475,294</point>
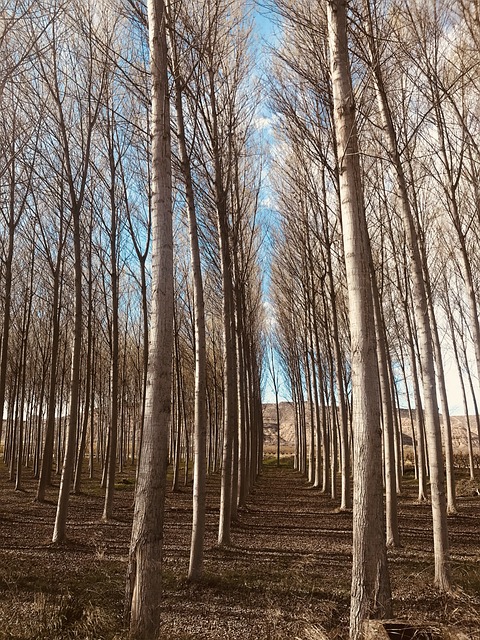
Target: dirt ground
<point>286,574</point>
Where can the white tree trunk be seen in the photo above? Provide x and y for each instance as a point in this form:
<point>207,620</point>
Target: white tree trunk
<point>145,561</point>
<point>195,570</point>
<point>425,339</point>
<point>370,583</point>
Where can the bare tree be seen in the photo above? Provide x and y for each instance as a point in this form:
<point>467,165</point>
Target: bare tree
<point>419,298</point>
<point>144,575</point>
<point>370,582</point>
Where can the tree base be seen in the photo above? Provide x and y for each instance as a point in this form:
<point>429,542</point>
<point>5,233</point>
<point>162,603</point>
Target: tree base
<point>397,630</point>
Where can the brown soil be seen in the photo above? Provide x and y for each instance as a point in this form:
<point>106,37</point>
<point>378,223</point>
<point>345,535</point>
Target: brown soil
<point>286,574</point>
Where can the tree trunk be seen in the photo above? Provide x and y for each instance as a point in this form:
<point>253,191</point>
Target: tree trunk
<point>23,370</point>
<point>47,457</point>
<point>59,532</point>
<point>12,224</point>
<point>431,416</point>
<point>392,532</point>
<point>229,347</point>
<point>447,426</point>
<point>77,481</point>
<point>195,570</point>
<point>144,578</point>
<point>370,596</point>
<point>114,337</point>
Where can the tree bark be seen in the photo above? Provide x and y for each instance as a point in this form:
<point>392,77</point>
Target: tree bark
<point>431,418</point>
<point>370,595</point>
<point>144,578</point>
<point>114,334</point>
<point>47,457</point>
<point>195,570</point>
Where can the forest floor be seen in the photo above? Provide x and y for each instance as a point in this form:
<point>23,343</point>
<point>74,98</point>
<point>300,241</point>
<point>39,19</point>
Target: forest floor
<point>286,575</point>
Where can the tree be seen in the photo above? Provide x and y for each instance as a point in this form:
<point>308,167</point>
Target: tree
<point>144,577</point>
<point>112,153</point>
<point>419,298</point>
<point>195,570</point>
<point>370,581</point>
<point>55,263</point>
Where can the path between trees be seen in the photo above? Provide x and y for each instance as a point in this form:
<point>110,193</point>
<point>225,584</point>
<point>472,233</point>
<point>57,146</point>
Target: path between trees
<point>286,574</point>
<point>288,566</point>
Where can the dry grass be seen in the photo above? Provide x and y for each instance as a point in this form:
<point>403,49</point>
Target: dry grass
<point>55,617</point>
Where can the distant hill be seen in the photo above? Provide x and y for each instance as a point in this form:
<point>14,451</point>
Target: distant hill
<point>287,428</point>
